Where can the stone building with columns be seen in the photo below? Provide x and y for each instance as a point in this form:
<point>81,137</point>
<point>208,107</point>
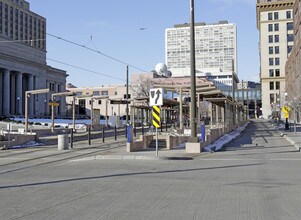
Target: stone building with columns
<point>23,64</point>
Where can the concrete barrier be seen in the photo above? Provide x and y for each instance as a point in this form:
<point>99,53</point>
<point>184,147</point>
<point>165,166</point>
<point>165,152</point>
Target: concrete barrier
<point>16,139</point>
<point>139,144</point>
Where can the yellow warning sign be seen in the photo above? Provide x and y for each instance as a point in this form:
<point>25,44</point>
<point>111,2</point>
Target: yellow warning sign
<point>156,116</point>
<point>54,103</point>
<point>286,111</point>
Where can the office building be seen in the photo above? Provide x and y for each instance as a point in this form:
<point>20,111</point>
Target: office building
<point>276,40</point>
<point>293,67</point>
<point>23,64</point>
<point>215,46</point>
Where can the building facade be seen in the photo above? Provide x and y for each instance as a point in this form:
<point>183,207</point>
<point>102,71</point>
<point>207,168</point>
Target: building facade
<point>222,80</point>
<point>276,40</point>
<point>105,98</point>
<point>23,64</point>
<point>293,67</point>
<point>215,46</point>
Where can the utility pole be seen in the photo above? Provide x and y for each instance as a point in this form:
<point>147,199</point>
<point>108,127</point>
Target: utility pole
<point>193,117</point>
<point>127,95</point>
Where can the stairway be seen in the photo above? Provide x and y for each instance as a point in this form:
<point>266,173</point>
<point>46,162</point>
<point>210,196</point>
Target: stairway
<point>161,143</point>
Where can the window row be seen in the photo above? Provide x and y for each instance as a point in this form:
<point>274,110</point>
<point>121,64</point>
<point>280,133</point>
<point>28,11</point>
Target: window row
<point>273,50</point>
<point>275,38</point>
<point>276,50</point>
<point>275,85</point>
<point>275,15</point>
<point>275,27</point>
<point>274,72</point>
<point>274,61</point>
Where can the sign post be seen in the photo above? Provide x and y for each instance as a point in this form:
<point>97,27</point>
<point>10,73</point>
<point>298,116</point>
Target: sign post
<point>156,100</point>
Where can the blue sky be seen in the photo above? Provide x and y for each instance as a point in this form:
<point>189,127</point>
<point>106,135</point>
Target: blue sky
<point>115,29</point>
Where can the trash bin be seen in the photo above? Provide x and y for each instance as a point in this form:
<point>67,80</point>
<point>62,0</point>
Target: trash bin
<point>63,142</point>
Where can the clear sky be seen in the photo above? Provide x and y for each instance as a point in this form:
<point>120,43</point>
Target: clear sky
<point>114,27</point>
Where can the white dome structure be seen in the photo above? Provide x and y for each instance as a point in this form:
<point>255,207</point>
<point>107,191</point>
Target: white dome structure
<point>161,69</point>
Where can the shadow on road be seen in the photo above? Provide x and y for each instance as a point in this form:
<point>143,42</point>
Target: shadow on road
<point>125,174</point>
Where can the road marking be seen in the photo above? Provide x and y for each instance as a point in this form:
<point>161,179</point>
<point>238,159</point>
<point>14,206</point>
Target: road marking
<point>250,159</point>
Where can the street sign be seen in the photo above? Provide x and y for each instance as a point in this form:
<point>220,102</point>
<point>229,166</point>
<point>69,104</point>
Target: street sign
<point>54,103</point>
<point>286,110</point>
<point>156,97</point>
<point>156,116</point>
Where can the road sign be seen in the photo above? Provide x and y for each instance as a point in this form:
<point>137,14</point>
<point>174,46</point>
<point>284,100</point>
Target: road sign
<point>156,116</point>
<point>156,97</point>
<point>286,109</point>
<point>54,103</point>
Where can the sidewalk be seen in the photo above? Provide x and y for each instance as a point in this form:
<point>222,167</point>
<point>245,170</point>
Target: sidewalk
<point>149,154</point>
<point>120,153</point>
<point>293,137</point>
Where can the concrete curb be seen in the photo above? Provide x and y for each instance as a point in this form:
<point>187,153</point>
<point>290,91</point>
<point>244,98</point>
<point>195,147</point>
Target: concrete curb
<point>131,157</point>
<point>297,145</point>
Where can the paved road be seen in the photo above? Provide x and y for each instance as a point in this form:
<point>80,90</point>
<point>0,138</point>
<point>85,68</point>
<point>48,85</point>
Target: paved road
<point>244,181</point>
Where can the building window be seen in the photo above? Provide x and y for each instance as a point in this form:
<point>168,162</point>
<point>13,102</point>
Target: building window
<point>124,96</point>
<point>271,50</point>
<point>277,50</point>
<point>276,27</point>
<point>276,38</point>
<point>271,61</point>
<point>99,102</point>
<point>290,38</point>
<point>104,92</point>
<point>277,72</point>
<point>289,48</point>
<point>271,85</point>
<point>51,86</point>
<point>277,61</point>
<point>270,27</point>
<point>288,14</point>
<point>78,93</point>
<point>276,15</point>
<point>290,26</point>
<point>96,93</point>
<point>277,85</point>
<point>270,16</point>
<point>271,73</point>
<point>270,38</point>
<point>272,98</point>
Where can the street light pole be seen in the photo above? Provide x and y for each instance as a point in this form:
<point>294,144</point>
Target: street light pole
<point>73,113</point>
<point>192,74</point>
<point>27,94</point>
<point>127,95</point>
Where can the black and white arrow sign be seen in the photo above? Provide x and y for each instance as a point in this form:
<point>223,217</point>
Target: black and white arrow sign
<point>156,97</point>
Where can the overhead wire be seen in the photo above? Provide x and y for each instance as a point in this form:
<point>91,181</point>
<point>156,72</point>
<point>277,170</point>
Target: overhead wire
<point>87,70</point>
<point>96,51</point>
<point>64,63</point>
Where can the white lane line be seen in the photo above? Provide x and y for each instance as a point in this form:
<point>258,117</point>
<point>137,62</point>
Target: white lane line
<point>250,159</point>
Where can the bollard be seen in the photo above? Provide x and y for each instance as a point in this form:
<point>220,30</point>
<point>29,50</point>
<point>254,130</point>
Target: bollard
<point>89,135</point>
<point>161,126</point>
<point>142,129</point>
<point>130,135</point>
<point>126,131</point>
<point>103,134</point>
<point>166,126</point>
<point>135,131</point>
<point>71,138</point>
<point>63,140</point>
<point>203,133</point>
<point>115,133</point>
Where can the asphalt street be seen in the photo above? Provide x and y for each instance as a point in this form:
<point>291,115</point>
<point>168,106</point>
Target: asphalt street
<point>257,176</point>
